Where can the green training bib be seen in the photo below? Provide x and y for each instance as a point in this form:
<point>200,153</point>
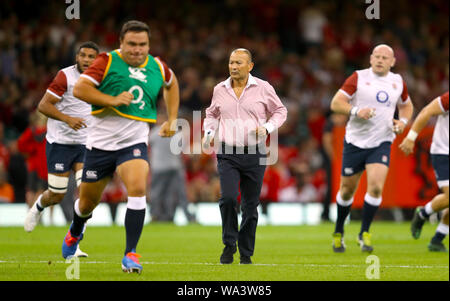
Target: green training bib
<point>144,82</point>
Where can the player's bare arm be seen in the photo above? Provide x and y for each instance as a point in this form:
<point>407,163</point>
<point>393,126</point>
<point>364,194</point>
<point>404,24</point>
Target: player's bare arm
<point>340,104</point>
<point>405,112</point>
<point>47,107</point>
<point>85,90</point>
<point>171,96</point>
<point>432,109</point>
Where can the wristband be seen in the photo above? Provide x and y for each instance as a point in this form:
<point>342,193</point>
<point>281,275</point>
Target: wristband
<point>209,133</point>
<point>354,111</point>
<point>404,120</point>
<point>269,127</point>
<point>412,135</point>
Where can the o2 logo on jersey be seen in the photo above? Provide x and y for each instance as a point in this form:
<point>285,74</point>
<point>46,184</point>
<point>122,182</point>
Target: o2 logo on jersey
<point>382,96</point>
<point>138,100</point>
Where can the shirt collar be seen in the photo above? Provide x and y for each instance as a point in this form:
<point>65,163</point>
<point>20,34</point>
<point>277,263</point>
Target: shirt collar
<point>376,75</point>
<point>251,81</point>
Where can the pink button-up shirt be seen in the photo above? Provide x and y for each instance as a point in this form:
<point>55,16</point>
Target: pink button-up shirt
<point>237,119</point>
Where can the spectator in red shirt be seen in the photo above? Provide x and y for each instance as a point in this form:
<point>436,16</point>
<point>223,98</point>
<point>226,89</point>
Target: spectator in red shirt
<point>32,144</point>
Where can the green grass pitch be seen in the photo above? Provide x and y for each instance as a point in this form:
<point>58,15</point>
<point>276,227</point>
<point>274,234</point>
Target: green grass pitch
<point>191,253</point>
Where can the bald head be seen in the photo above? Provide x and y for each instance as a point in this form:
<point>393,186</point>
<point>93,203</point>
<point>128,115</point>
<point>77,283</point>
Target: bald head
<point>383,48</point>
<point>382,59</point>
<point>243,50</point>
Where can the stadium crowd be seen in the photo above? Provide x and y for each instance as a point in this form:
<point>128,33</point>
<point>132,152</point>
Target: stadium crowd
<point>305,50</point>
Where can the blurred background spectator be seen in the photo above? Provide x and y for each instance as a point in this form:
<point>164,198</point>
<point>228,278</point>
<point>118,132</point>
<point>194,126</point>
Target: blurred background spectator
<point>305,49</point>
<point>31,143</point>
<point>168,184</point>
<point>6,189</point>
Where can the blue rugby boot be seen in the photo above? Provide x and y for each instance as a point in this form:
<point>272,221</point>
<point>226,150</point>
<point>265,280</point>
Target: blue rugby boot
<point>70,244</point>
<point>130,263</point>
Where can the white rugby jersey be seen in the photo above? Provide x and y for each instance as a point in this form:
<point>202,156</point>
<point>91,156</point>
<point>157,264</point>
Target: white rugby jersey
<point>368,90</point>
<point>62,88</point>
<point>439,145</point>
<point>112,132</point>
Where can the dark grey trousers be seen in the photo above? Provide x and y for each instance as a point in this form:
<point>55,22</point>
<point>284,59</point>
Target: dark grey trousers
<point>167,192</point>
<point>244,172</point>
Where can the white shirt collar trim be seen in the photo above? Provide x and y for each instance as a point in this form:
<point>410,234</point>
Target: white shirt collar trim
<point>251,81</point>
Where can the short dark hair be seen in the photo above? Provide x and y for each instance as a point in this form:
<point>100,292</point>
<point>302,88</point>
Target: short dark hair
<point>135,26</point>
<point>88,44</point>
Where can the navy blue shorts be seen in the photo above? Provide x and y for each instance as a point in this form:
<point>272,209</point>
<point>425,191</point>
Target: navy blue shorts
<point>61,157</point>
<point>99,164</point>
<point>355,159</point>
<point>440,165</point>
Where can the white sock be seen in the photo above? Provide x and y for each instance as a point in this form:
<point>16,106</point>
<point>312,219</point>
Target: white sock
<point>137,202</point>
<point>428,209</point>
<point>343,202</point>
<point>371,200</point>
<point>38,202</point>
<point>77,209</point>
<point>442,228</point>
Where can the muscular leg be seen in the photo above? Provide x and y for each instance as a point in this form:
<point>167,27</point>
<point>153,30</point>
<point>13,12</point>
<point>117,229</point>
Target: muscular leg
<point>49,197</point>
<point>441,232</point>
<point>348,186</point>
<point>134,175</point>
<point>344,199</point>
<point>90,196</point>
<point>77,169</point>
<point>57,188</point>
<point>444,218</point>
<point>376,177</point>
<point>438,203</point>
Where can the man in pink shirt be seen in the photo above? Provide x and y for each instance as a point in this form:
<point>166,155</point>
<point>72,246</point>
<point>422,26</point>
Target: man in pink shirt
<point>244,110</point>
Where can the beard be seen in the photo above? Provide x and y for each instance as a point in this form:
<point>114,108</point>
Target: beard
<point>79,68</point>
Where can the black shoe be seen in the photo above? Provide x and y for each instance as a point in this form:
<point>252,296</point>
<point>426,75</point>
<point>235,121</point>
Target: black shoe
<point>246,260</point>
<point>417,223</point>
<point>227,255</point>
<point>437,247</point>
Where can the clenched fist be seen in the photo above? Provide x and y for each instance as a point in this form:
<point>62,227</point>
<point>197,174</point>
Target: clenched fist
<point>123,98</point>
<point>165,130</point>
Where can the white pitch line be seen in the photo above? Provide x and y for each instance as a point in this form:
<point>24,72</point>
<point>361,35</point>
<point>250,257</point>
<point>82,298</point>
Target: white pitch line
<point>255,264</point>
